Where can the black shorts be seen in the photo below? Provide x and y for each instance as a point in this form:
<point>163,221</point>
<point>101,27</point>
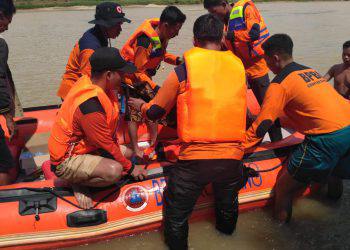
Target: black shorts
<point>6,159</point>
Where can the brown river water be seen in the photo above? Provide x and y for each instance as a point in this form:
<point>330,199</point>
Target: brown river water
<point>41,40</point>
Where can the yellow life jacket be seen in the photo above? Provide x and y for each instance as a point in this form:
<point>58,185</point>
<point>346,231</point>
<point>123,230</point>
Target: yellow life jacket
<point>213,106</point>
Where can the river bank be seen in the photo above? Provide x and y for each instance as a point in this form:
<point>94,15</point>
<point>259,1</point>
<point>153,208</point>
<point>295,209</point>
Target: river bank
<point>35,4</point>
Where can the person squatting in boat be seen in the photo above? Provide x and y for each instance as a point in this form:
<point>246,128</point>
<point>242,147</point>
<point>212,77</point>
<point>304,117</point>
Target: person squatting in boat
<point>83,146</point>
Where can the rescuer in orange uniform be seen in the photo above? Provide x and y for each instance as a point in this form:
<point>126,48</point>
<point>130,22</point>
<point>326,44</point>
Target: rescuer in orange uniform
<point>108,22</point>
<point>146,48</point>
<point>307,103</point>
<point>245,32</point>
<point>211,150</point>
<point>83,146</point>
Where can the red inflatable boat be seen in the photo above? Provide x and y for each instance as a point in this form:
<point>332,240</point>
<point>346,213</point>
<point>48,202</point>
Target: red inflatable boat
<point>43,214</point>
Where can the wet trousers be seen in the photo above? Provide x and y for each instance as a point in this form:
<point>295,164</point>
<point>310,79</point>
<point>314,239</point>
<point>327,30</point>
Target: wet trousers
<point>186,181</point>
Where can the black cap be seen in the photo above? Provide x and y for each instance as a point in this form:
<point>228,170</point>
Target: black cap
<point>107,58</point>
<point>109,14</point>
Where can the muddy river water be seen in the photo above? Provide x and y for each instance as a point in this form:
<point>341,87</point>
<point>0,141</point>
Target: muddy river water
<point>41,40</point>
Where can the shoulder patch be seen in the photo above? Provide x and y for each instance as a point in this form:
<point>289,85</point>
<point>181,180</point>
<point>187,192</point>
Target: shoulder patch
<point>143,41</point>
<point>91,105</point>
<point>181,72</point>
<point>155,112</point>
<point>292,67</point>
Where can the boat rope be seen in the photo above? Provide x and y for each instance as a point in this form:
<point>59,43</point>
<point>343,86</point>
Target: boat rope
<point>273,168</point>
<point>115,190</point>
<point>257,171</point>
<point>53,192</point>
<point>127,180</point>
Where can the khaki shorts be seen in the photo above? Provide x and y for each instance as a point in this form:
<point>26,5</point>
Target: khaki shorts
<point>79,168</point>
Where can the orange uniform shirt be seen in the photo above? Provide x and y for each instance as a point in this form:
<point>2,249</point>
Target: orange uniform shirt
<point>165,99</point>
<point>78,63</point>
<point>304,101</point>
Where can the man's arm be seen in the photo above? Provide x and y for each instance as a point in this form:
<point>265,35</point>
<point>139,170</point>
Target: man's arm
<point>143,49</point>
<point>5,98</point>
<point>162,103</point>
<point>252,32</point>
<point>91,119</point>
<point>165,99</point>
<point>272,107</point>
<point>5,95</point>
<point>330,74</point>
<point>84,58</point>
<point>172,59</point>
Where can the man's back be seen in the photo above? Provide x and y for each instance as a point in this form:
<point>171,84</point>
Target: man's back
<point>311,101</point>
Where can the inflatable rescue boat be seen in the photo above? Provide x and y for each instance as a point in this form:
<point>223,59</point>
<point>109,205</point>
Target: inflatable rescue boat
<point>43,213</point>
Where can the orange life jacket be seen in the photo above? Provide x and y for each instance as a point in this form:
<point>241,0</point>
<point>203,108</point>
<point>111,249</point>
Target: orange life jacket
<point>62,141</point>
<point>158,52</point>
<point>213,106</point>
<point>237,23</point>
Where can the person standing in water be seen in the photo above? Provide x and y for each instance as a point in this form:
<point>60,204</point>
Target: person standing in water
<point>245,31</point>
<point>305,102</point>
<point>8,171</point>
<point>341,73</point>
<point>211,151</point>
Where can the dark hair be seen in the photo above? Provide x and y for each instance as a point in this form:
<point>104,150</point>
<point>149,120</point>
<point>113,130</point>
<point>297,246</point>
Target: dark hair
<point>172,15</point>
<point>346,45</point>
<point>97,74</point>
<point>212,3</point>
<point>208,28</point>
<point>7,7</point>
<point>278,43</point>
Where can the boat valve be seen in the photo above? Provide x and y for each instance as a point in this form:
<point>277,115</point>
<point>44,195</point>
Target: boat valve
<point>37,205</point>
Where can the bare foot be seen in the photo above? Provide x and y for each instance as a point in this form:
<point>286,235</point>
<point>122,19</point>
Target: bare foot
<point>82,195</point>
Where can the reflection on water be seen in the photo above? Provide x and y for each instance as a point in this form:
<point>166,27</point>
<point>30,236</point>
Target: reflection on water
<point>40,42</point>
<point>317,224</point>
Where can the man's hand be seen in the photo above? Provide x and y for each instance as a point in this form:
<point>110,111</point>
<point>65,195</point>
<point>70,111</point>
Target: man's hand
<point>136,103</point>
<point>139,172</point>
<point>11,126</point>
<point>179,60</point>
<point>139,85</point>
